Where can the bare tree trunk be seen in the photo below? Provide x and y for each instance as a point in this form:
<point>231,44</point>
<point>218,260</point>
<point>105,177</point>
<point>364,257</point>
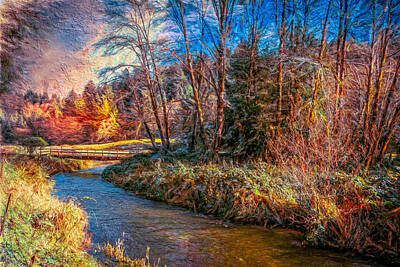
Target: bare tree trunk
<point>383,54</point>
<point>139,105</point>
<point>163,104</point>
<point>343,55</point>
<point>154,106</point>
<point>386,140</point>
<point>223,9</point>
<point>385,118</point>
<point>375,132</point>
<point>164,107</point>
<point>192,77</point>
<point>150,52</point>
<point>293,27</point>
<point>305,22</point>
<point>368,96</point>
<point>389,136</point>
<point>194,124</point>
<point>143,45</point>
<point>320,56</point>
<point>325,28</point>
<point>280,64</point>
<point>338,58</point>
<point>390,95</point>
<point>200,77</point>
<point>252,40</point>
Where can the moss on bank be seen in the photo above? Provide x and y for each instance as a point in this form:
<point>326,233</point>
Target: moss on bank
<point>38,227</point>
<point>335,210</point>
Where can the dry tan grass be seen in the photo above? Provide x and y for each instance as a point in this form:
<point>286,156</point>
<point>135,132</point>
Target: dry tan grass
<point>332,209</point>
<point>39,225</point>
<point>117,254</point>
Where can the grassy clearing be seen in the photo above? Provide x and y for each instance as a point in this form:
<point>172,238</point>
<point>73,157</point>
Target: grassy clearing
<point>333,209</point>
<point>38,228</point>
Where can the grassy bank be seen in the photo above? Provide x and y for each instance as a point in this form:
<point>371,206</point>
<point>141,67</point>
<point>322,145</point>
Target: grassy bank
<point>335,209</point>
<point>52,165</point>
<point>38,227</point>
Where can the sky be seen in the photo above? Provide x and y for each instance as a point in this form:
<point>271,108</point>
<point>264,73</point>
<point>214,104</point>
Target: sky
<point>67,61</point>
<point>62,59</point>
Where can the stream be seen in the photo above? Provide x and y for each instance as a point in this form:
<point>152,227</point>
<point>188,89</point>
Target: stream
<point>178,237</point>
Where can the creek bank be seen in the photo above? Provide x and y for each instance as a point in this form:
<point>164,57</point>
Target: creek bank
<point>178,237</point>
<point>39,228</point>
<point>336,210</point>
<point>52,165</point>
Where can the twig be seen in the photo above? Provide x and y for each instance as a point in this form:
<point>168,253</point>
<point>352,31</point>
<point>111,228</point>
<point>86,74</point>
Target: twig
<point>3,221</point>
<point>32,262</point>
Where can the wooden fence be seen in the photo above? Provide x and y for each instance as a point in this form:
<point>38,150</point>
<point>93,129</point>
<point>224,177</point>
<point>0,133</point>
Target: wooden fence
<point>84,153</point>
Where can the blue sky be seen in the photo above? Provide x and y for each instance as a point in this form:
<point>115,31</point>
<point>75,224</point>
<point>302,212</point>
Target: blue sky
<point>75,25</point>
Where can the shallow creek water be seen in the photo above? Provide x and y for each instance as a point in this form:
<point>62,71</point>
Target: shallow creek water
<point>179,237</point>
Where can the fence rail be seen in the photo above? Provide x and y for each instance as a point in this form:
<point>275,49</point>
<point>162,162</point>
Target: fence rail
<point>85,153</point>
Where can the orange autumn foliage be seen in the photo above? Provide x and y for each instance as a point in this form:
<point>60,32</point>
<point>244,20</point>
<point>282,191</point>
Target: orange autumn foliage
<point>73,122</point>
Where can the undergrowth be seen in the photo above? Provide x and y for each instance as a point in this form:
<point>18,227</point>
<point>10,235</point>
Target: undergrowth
<point>335,209</point>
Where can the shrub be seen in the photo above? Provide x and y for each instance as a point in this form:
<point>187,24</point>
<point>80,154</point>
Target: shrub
<point>31,143</point>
